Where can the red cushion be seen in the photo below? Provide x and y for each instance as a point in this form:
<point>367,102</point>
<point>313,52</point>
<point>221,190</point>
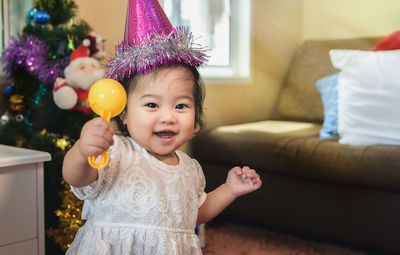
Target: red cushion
<point>390,42</point>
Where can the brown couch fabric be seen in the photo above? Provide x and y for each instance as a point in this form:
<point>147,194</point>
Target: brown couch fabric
<point>300,100</point>
<point>303,154</point>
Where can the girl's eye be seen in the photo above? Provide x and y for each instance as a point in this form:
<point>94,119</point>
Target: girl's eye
<point>181,106</point>
<point>151,105</point>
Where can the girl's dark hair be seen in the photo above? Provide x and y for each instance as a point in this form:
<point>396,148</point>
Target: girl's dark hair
<point>198,93</point>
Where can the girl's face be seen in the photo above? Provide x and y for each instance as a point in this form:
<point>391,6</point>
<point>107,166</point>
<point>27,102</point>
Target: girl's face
<point>160,112</point>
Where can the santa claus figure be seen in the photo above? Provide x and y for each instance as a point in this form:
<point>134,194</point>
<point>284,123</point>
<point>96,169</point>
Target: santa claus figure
<point>72,92</point>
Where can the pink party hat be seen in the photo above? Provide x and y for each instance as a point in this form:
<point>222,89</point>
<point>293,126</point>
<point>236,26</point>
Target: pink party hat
<point>145,18</point>
<point>150,41</point>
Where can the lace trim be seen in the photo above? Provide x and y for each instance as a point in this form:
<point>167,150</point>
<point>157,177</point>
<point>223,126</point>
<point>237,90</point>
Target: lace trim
<point>134,225</point>
<point>157,163</point>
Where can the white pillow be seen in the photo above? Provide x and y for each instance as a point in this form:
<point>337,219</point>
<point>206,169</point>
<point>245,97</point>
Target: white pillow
<point>368,96</point>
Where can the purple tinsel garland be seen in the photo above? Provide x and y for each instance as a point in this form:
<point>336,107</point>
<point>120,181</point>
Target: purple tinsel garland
<point>29,52</point>
<point>154,51</point>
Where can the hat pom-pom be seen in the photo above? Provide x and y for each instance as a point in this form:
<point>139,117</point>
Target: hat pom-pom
<point>86,42</point>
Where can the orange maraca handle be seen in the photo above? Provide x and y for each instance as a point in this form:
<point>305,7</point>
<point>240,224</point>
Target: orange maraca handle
<point>106,115</point>
<point>107,98</point>
<point>101,164</point>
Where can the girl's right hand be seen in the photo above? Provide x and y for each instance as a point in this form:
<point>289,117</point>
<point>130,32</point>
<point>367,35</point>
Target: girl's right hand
<point>96,137</point>
<point>243,180</point>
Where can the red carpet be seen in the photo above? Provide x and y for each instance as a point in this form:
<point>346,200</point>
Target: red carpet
<point>232,239</point>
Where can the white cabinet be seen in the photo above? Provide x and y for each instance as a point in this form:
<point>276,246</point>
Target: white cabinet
<point>21,201</point>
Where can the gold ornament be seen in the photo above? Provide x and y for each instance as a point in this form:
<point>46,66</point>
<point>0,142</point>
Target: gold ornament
<point>16,102</point>
<point>19,142</point>
<point>43,132</point>
<point>62,143</point>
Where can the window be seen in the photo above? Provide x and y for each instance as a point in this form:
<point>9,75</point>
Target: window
<point>223,27</point>
<point>12,19</point>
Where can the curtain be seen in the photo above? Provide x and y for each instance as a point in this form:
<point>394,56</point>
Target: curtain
<point>17,12</point>
<point>13,16</point>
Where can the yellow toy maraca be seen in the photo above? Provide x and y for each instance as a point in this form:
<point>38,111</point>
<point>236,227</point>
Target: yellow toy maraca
<point>107,98</point>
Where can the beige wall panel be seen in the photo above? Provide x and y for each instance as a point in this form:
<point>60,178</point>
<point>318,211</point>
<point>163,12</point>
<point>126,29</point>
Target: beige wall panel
<point>327,19</point>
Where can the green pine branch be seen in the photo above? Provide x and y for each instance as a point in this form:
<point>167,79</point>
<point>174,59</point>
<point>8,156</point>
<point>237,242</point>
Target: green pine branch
<point>60,11</point>
<point>54,37</point>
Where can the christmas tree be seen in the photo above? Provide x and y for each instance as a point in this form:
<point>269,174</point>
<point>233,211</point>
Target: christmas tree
<point>32,62</point>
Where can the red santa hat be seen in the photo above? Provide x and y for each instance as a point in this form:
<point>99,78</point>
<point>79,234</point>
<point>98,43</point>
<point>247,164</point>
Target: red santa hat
<point>81,52</point>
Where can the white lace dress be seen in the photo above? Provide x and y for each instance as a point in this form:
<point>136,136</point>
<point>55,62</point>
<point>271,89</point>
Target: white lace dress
<point>140,205</point>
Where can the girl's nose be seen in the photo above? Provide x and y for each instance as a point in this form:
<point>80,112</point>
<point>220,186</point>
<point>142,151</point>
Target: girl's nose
<point>168,117</point>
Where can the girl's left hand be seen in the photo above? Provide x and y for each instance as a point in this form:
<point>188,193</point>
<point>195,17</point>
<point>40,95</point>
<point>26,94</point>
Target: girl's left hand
<point>244,180</point>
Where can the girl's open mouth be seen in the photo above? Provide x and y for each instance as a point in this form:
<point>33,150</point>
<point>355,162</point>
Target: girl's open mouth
<point>165,135</point>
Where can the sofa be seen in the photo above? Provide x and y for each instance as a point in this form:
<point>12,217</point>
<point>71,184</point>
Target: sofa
<point>315,187</point>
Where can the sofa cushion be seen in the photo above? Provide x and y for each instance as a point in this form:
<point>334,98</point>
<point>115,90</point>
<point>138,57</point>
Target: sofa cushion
<point>390,42</point>
<point>292,148</point>
<point>299,99</point>
<point>328,88</point>
<point>368,92</point>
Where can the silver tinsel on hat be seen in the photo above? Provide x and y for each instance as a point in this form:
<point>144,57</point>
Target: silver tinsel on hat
<point>154,51</point>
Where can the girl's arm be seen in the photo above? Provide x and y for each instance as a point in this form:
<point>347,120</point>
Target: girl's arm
<point>216,201</point>
<point>240,181</point>
<point>76,169</point>
<point>96,137</point>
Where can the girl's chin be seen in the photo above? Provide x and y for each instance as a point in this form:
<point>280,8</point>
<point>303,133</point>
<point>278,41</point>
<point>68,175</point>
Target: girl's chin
<point>168,158</point>
<point>163,153</point>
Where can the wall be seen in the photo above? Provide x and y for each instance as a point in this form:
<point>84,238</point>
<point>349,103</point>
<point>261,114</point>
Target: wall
<point>327,19</point>
<point>107,18</point>
<point>276,31</point>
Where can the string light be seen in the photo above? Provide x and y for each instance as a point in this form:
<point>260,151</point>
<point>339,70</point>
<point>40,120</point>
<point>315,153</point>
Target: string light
<point>69,217</point>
